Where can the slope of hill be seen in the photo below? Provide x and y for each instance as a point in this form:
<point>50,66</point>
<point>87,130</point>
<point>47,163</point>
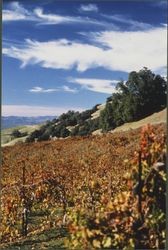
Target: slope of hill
<point>156,118</point>
<point>15,121</point>
<point>96,114</point>
<point>61,177</point>
<point>142,95</point>
<point>68,124</point>
<point>95,191</point>
<point>8,140</point>
<point>159,117</point>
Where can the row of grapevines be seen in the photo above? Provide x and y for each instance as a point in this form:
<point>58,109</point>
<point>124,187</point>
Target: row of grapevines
<point>135,218</point>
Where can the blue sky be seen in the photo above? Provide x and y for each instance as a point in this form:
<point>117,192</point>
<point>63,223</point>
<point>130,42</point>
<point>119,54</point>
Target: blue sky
<point>69,55</point>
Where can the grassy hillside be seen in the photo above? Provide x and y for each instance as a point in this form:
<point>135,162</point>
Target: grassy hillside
<point>96,114</point>
<point>159,117</point>
<point>156,118</point>
<point>6,137</point>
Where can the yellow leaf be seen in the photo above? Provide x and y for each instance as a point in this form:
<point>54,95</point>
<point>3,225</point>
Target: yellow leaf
<point>89,233</point>
<point>110,205</point>
<point>96,243</point>
<point>107,242</point>
<point>131,241</point>
<point>7,229</point>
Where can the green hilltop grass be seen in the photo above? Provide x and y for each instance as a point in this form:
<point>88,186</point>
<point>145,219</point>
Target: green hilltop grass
<point>6,138</point>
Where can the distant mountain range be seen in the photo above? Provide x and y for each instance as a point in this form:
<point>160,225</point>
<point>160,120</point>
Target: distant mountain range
<point>14,121</point>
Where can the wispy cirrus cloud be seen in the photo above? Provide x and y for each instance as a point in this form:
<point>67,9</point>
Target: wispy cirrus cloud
<point>132,24</point>
<point>42,90</point>
<point>52,18</point>
<point>96,85</point>
<point>88,8</point>
<point>17,12</point>
<point>68,89</point>
<point>92,84</point>
<point>30,110</point>
<point>58,19</point>
<point>125,51</point>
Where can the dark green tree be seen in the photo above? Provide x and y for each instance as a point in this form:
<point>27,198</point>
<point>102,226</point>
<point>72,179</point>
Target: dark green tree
<point>147,92</point>
<point>143,94</point>
<point>106,121</point>
<point>16,133</point>
<point>64,132</point>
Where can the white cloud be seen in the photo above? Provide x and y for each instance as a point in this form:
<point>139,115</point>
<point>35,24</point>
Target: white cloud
<point>12,16</point>
<point>68,89</point>
<point>42,90</point>
<point>96,85</point>
<point>125,51</point>
<point>17,12</point>
<point>88,7</point>
<point>59,54</point>
<point>16,6</point>
<point>132,50</point>
<point>58,19</point>
<point>50,18</point>
<point>133,24</point>
<point>26,110</point>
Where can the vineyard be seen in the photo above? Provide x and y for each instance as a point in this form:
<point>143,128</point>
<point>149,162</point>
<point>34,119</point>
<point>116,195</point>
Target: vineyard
<point>94,192</point>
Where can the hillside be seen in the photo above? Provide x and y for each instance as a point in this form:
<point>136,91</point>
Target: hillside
<point>70,164</point>
<point>96,114</point>
<point>142,95</point>
<point>8,140</point>
<point>159,117</point>
<point>55,178</point>
<point>156,118</point>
